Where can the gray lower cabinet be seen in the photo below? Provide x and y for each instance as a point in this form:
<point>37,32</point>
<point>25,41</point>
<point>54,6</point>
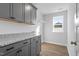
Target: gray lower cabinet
<point>28,47</point>
<point>35,46</point>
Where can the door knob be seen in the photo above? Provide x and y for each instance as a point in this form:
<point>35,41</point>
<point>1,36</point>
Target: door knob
<point>73,43</point>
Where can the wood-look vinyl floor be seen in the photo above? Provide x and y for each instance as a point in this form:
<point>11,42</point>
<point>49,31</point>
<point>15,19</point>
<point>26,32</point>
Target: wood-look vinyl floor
<point>48,49</point>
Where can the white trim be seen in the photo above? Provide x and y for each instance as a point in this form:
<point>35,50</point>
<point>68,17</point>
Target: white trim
<point>56,43</point>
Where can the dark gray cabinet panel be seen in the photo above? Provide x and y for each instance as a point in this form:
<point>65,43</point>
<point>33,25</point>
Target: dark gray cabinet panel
<point>4,10</point>
<point>26,50</point>
<point>18,11</point>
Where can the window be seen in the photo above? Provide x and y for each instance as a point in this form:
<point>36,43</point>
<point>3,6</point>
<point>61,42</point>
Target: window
<point>58,23</point>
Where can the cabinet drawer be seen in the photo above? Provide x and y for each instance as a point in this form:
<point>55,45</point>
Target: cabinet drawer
<point>7,49</point>
<point>13,53</point>
<point>22,43</point>
<point>26,42</point>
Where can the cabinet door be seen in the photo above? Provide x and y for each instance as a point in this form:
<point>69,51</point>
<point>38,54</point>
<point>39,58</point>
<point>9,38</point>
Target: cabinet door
<point>27,13</point>
<point>18,11</point>
<point>33,15</point>
<point>26,50</point>
<point>33,47</point>
<point>30,14</point>
<point>38,46</point>
<point>4,10</point>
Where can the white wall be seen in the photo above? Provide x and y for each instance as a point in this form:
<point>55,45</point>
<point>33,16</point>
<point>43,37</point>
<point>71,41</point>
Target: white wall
<point>71,35</point>
<point>40,23</point>
<point>59,38</point>
<point>48,34</point>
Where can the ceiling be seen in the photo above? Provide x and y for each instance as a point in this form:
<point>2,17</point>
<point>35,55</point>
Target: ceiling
<point>46,8</point>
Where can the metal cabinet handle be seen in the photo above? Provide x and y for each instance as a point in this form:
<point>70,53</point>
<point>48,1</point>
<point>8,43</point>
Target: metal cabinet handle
<point>9,48</point>
<point>25,42</point>
<point>73,43</point>
<point>19,51</point>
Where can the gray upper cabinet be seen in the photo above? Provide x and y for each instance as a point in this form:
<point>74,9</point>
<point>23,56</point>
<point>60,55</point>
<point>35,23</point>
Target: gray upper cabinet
<point>18,11</point>
<point>24,12</point>
<point>21,12</point>
<point>27,13</point>
<point>4,10</point>
<point>33,15</point>
<point>30,13</point>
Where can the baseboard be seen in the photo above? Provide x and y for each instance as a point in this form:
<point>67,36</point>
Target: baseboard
<point>56,43</point>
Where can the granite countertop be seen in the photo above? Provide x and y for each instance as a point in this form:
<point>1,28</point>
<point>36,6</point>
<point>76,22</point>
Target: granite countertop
<point>11,32</point>
<point>12,38</point>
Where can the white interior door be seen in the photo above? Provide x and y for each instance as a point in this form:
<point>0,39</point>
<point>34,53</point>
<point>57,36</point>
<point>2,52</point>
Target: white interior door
<point>77,28</point>
<point>77,41</point>
<point>71,34</point>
